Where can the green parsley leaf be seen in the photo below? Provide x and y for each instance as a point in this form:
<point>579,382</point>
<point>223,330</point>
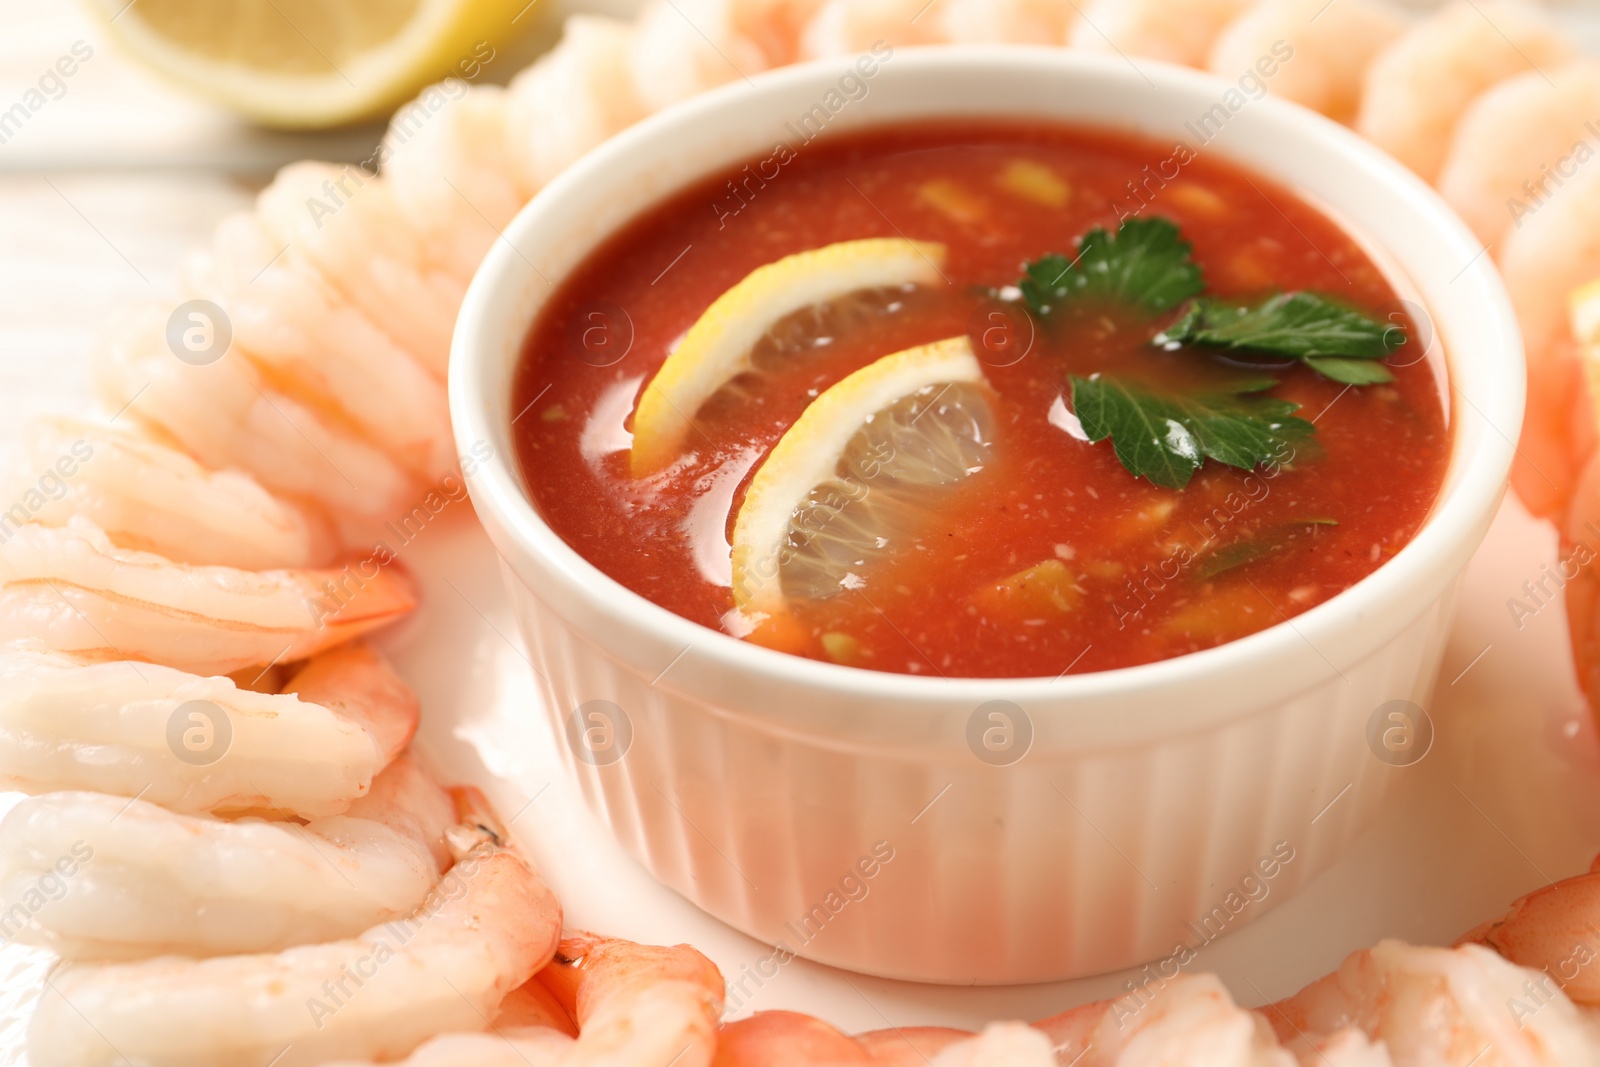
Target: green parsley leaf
<point>1165,437</point>
<point>1146,265</point>
<point>1336,341</point>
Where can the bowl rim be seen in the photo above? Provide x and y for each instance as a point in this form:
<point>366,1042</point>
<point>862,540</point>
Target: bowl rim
<point>1461,512</point>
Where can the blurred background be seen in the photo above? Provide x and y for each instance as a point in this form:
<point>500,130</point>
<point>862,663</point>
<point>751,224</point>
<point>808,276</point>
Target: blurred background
<point>104,186</point>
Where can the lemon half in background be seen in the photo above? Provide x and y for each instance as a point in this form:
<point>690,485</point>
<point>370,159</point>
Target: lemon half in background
<point>312,63</point>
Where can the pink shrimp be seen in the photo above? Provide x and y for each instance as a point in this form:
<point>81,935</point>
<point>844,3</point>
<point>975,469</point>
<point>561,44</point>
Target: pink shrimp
<point>1416,89</point>
<point>1322,49</point>
<point>789,1039</point>
<point>1517,144</point>
<point>1553,930</point>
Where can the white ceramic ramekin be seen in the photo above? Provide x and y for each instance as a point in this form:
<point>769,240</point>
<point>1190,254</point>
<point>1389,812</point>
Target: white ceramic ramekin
<point>847,815</point>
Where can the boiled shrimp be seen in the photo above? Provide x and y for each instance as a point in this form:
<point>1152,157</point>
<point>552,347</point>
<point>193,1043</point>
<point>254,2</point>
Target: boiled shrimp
<point>1000,1045</point>
<point>1174,31</point>
<point>484,930</point>
<point>153,882</point>
<point>75,590</point>
<point>572,98</point>
<point>1440,1006</point>
<point>680,48</point>
<point>1188,1019</point>
<point>637,1004</point>
<point>848,27</point>
<point>1416,90</point>
<point>196,744</point>
<point>226,415</point>
<point>1042,22</point>
<point>1549,256</point>
<point>774,26</point>
<point>1552,931</point>
<point>784,1038</point>
<point>149,497</point>
<point>500,1047</point>
<point>1582,592</point>
<point>908,1046</point>
<point>452,176</point>
<point>1517,144</point>
<point>316,346</point>
<point>1331,45</point>
<point>345,222</point>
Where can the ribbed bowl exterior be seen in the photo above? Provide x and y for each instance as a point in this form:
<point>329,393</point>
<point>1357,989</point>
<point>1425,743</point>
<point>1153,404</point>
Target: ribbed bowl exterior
<point>1005,830</point>
<point>1071,861</point>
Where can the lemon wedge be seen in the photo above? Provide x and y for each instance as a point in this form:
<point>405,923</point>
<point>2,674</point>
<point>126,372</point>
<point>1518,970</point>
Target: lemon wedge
<point>859,471</point>
<point>311,63</point>
<point>717,347</point>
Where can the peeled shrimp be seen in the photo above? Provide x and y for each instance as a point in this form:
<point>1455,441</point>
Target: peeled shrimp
<point>1416,90</point>
<point>1000,1045</point>
<point>637,1004</point>
<point>1518,145</point>
<point>785,1038</point>
<point>484,930</point>
<point>345,222</point>
<point>1174,31</point>
<point>135,729</point>
<point>846,27</point>
<point>314,345</point>
<point>501,1047</point>
<point>1551,254</point>
<point>1552,930</point>
<point>154,882</point>
<point>149,497</point>
<point>1006,21</point>
<point>451,174</point>
<point>1188,1019</point>
<point>79,593</point>
<point>572,98</point>
<point>1331,46</point>
<point>908,1046</point>
<point>226,415</point>
<point>774,26</point>
<point>1582,592</point>
<point>1440,1006</point>
<point>683,47</point>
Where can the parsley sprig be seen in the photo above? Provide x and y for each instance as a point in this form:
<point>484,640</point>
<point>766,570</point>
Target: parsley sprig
<point>1335,341</point>
<point>1166,437</point>
<point>1146,266</point>
<point>1148,269</point>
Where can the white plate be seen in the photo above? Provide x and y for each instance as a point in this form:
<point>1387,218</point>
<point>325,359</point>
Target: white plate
<point>1508,799</point>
